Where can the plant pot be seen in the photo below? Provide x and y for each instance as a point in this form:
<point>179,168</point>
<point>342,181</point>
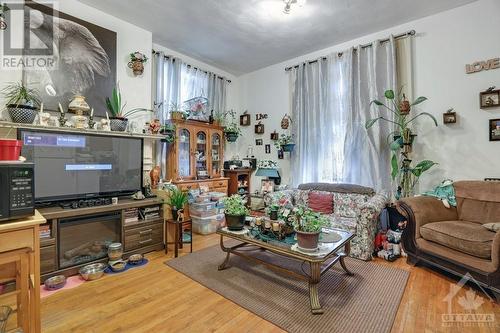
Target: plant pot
<point>118,124</point>
<point>235,222</point>
<point>23,114</point>
<point>10,149</point>
<point>307,240</point>
<point>231,136</point>
<point>288,147</point>
<point>273,215</point>
<point>175,214</point>
<point>177,115</point>
<point>137,67</point>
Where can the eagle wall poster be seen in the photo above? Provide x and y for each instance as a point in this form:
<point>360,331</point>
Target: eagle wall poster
<point>85,60</point>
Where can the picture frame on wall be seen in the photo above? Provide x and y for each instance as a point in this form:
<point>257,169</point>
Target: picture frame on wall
<point>489,98</point>
<point>494,127</point>
<point>259,142</point>
<point>245,119</point>
<point>259,128</point>
<point>268,149</point>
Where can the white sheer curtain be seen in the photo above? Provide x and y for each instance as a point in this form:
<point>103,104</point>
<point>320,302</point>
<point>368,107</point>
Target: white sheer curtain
<point>330,105</point>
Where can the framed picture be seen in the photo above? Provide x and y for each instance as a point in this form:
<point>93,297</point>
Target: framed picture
<point>266,186</point>
<point>281,154</point>
<point>494,129</point>
<point>268,149</point>
<point>489,98</point>
<point>245,119</point>
<point>259,128</point>
<point>259,142</point>
<point>449,117</point>
<point>274,136</point>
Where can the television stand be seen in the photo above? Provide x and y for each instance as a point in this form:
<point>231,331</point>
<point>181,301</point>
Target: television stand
<point>65,237</point>
<point>85,203</point>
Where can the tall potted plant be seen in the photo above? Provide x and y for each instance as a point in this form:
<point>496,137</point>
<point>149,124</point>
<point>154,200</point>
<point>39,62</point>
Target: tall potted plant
<point>235,212</point>
<point>119,118</point>
<point>22,102</point>
<point>403,137</point>
<point>308,226</point>
<point>177,199</point>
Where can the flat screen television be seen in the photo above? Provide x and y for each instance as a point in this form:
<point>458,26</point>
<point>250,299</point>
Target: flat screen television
<point>70,166</point>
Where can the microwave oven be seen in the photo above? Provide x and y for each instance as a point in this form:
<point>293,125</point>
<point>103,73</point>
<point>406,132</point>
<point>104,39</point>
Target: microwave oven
<point>16,190</point>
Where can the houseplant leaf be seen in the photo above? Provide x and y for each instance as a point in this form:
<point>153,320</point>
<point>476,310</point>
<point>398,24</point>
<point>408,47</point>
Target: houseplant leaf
<point>377,102</point>
<point>396,144</point>
<point>369,123</point>
<point>394,166</point>
<point>419,100</point>
<point>422,166</point>
<point>389,94</point>
<point>424,114</point>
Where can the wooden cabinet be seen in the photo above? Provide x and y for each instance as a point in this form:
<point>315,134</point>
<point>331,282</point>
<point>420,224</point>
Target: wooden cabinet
<point>239,182</point>
<point>197,153</point>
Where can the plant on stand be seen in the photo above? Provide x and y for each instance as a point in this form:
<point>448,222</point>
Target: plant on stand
<point>285,142</point>
<point>118,120</point>
<point>235,211</point>
<point>22,102</point>
<point>402,143</point>
<point>308,226</point>
<point>177,200</point>
<point>169,131</point>
<point>232,130</point>
<point>176,112</point>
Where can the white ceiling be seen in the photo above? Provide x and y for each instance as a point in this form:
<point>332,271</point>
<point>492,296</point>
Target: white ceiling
<point>240,36</point>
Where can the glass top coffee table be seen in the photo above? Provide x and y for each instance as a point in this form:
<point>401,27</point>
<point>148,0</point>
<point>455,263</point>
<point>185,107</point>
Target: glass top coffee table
<point>334,247</point>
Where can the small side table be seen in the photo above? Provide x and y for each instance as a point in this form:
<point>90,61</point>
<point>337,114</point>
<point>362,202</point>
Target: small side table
<point>178,231</point>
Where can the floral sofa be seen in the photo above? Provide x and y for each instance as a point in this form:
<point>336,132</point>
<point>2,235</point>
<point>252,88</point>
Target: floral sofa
<point>355,209</point>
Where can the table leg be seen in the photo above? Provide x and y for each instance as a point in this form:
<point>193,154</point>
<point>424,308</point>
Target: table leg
<point>191,236</point>
<point>181,236</point>
<point>313,287</point>
<point>176,241</point>
<point>347,250</point>
<point>225,263</point>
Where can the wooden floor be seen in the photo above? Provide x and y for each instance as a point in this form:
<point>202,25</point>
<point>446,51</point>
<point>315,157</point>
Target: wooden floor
<point>156,298</point>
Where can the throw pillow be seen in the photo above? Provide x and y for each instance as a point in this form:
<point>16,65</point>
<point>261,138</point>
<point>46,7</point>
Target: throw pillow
<point>321,202</point>
<point>495,227</point>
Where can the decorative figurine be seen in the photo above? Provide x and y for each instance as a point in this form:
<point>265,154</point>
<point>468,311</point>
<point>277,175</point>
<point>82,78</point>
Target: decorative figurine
<point>154,174</point>
<point>43,117</point>
<point>62,118</point>
<point>154,126</point>
<point>180,215</point>
<point>91,121</point>
<point>105,124</point>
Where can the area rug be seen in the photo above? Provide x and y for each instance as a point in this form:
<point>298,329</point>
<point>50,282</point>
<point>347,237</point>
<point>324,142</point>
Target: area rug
<point>365,302</point>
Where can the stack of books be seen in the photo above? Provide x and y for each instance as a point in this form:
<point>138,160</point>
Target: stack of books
<point>130,215</point>
<point>149,213</point>
<point>45,231</point>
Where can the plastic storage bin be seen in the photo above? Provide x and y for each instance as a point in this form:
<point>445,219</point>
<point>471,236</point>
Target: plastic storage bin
<point>203,209</point>
<point>207,225</point>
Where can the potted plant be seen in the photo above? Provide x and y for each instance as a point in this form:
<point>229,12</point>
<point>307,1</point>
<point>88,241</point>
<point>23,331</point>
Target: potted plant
<point>231,131</point>
<point>285,143</point>
<point>176,112</point>
<point>308,226</point>
<point>218,118</point>
<point>235,212</point>
<point>137,61</point>
<point>169,131</point>
<point>401,146</point>
<point>22,102</point>
<point>177,199</point>
<point>272,211</point>
<point>118,120</point>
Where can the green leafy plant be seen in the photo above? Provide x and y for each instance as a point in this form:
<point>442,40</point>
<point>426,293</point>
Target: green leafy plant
<point>306,220</point>
<point>177,198</point>
<point>168,130</point>
<point>235,205</point>
<point>401,145</point>
<point>116,107</point>
<point>17,94</point>
<point>177,108</point>
<point>138,56</point>
<point>284,139</point>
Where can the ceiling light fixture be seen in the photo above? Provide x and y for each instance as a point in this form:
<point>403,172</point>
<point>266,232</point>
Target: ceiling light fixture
<point>289,3</point>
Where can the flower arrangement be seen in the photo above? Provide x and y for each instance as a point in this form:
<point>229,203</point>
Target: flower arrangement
<point>267,164</point>
<point>138,56</point>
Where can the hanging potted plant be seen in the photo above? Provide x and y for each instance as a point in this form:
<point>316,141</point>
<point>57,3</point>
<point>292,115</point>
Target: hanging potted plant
<point>169,131</point>
<point>136,63</point>
<point>307,225</point>
<point>232,132</point>
<point>22,102</point>
<point>176,112</point>
<point>285,143</point>
<point>235,212</point>
<point>118,120</point>
<point>177,200</point>
<point>401,146</point>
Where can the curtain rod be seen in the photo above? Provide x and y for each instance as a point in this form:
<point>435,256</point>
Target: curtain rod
<point>190,66</point>
<point>403,35</point>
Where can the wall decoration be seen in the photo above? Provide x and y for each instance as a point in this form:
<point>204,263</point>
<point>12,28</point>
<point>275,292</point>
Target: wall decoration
<point>259,128</point>
<point>449,117</point>
<point>274,136</point>
<point>285,121</point>
<point>3,9</point>
<point>136,63</point>
<point>484,65</point>
<point>197,108</point>
<point>494,129</point>
<point>259,142</point>
<point>245,119</point>
<point>281,155</point>
<point>268,149</point>
<point>489,98</point>
<point>260,116</point>
<point>85,62</point>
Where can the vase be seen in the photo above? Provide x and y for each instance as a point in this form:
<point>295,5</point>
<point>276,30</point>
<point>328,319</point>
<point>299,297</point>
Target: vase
<point>137,67</point>
<point>307,240</point>
<point>235,222</point>
<point>78,105</point>
<point>231,136</point>
<point>23,114</point>
<point>118,124</point>
<point>175,213</point>
<point>273,215</point>
<point>288,147</point>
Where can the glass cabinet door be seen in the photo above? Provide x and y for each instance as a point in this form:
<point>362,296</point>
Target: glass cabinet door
<point>216,154</point>
<point>184,151</point>
<point>201,155</point>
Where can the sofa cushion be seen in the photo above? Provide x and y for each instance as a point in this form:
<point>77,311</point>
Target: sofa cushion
<point>337,187</point>
<point>321,202</point>
<point>348,204</point>
<point>463,236</point>
<point>479,211</point>
<point>343,223</point>
<point>301,197</point>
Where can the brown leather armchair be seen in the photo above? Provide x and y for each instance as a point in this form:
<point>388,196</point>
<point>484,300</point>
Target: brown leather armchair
<point>454,239</point>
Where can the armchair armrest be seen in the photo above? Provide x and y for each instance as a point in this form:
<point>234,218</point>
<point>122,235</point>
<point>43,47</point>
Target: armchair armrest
<point>495,251</point>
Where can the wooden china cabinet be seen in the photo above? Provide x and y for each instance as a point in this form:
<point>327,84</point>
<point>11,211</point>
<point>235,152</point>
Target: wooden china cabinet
<point>196,157</point>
